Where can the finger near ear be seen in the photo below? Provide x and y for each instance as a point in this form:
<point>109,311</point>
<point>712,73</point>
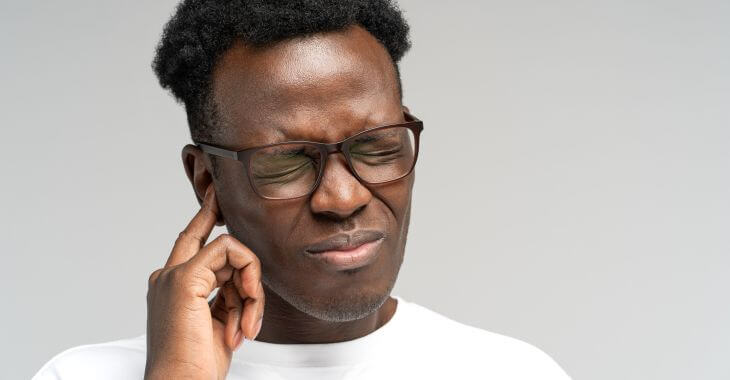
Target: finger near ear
<point>196,233</point>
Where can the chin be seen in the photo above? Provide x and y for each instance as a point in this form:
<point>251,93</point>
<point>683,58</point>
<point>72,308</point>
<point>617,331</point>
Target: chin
<point>350,296</point>
<point>339,306</point>
<point>345,307</point>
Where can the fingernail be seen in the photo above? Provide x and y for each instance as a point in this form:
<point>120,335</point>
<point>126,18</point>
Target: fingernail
<point>237,340</point>
<point>258,329</point>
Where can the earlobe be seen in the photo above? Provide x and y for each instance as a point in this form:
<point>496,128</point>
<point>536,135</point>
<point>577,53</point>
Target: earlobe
<point>198,173</point>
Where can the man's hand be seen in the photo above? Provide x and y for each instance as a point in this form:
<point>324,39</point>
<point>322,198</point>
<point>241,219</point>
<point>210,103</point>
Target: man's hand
<point>186,337</point>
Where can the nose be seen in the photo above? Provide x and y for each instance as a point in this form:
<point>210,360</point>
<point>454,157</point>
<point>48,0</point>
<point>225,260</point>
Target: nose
<point>339,194</point>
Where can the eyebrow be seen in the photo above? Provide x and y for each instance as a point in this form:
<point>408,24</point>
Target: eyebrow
<point>284,132</point>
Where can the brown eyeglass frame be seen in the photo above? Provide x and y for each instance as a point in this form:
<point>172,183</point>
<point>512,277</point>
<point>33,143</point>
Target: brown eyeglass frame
<point>244,155</point>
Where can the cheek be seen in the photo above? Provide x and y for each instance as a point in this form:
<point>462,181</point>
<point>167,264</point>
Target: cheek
<point>397,197</point>
<point>250,219</point>
<point>267,228</point>
<point>273,230</point>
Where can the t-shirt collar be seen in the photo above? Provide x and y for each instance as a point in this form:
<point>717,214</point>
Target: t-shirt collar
<point>359,350</point>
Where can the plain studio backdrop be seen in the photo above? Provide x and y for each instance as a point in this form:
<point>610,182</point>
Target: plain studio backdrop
<point>573,188</point>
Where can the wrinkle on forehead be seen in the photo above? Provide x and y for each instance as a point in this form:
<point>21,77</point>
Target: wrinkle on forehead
<point>299,88</point>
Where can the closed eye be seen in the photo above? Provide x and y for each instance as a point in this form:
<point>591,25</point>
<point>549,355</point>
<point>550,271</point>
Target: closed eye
<point>281,174</point>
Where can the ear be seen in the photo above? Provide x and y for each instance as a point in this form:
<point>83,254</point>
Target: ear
<point>405,108</point>
<point>198,169</point>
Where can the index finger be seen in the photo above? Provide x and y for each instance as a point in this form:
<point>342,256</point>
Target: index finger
<point>194,236</point>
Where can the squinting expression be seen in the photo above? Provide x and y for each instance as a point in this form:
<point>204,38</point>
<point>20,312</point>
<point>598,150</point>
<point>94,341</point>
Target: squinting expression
<point>323,88</point>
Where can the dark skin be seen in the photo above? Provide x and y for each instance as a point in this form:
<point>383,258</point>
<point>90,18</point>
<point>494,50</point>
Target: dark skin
<point>321,88</point>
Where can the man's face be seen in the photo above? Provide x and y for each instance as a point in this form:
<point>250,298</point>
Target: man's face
<point>321,88</point>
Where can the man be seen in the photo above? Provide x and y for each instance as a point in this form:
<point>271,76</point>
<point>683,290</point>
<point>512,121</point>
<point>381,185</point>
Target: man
<point>305,153</point>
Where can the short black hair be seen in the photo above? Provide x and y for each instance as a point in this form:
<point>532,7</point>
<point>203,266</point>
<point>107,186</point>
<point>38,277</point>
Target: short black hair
<point>200,31</point>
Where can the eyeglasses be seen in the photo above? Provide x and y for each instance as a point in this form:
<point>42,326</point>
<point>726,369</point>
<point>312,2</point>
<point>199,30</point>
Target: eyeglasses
<point>294,169</point>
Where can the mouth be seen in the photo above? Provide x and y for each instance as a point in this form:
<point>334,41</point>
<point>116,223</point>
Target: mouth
<point>347,251</point>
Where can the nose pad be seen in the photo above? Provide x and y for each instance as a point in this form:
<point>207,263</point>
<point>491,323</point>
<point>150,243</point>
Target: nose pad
<point>340,193</point>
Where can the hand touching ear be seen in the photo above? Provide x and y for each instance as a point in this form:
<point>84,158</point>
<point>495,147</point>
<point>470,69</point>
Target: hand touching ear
<point>187,337</point>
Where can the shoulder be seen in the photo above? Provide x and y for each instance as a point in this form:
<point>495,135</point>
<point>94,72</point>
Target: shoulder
<point>119,359</point>
<point>481,350</point>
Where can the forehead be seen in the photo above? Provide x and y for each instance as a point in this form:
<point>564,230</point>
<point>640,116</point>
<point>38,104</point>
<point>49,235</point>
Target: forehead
<point>322,87</point>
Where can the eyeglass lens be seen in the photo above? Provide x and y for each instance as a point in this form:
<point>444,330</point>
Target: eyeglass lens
<point>290,170</point>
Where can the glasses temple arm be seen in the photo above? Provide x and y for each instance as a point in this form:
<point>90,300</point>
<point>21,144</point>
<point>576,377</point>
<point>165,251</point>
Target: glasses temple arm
<point>218,151</point>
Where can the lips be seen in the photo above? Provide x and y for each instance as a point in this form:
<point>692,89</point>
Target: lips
<point>345,242</point>
<point>347,251</point>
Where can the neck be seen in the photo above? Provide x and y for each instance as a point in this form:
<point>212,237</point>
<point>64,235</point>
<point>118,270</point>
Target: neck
<point>285,324</point>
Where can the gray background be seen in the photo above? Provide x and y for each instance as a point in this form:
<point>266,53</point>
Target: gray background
<point>586,145</point>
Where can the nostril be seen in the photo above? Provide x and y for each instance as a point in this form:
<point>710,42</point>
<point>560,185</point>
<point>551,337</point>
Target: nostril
<point>341,201</point>
<point>345,220</point>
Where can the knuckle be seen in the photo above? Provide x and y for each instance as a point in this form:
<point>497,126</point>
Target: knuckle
<point>181,236</point>
<point>256,263</point>
<point>254,267</point>
<point>152,279</point>
<point>185,235</point>
<point>178,275</point>
<point>199,279</point>
<point>226,239</point>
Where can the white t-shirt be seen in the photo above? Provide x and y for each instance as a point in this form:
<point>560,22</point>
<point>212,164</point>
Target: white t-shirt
<point>416,343</point>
